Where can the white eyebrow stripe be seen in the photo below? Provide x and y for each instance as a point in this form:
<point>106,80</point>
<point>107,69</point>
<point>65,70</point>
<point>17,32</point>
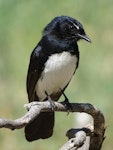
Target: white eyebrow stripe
<point>75,25</point>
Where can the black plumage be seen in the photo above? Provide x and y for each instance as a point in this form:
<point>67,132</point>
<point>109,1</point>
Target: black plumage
<point>52,65</point>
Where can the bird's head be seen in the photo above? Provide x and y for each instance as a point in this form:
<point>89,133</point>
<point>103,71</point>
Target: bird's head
<point>66,28</point>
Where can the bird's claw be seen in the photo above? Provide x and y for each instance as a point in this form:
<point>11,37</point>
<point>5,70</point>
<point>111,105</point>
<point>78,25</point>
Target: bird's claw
<point>67,104</point>
<point>52,104</point>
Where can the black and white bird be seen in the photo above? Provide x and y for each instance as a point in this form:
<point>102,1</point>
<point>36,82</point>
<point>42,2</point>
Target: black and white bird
<point>52,64</point>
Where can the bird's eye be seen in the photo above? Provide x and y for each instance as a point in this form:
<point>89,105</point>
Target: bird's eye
<point>71,27</point>
<point>68,28</point>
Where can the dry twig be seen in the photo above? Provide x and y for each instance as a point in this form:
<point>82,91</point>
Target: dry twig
<point>77,137</point>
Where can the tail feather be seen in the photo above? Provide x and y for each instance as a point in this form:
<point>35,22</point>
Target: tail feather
<point>41,127</point>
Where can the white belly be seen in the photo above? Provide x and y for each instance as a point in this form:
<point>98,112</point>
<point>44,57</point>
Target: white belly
<point>58,71</point>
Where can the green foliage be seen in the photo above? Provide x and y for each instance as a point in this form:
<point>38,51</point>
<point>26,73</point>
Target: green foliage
<point>21,24</point>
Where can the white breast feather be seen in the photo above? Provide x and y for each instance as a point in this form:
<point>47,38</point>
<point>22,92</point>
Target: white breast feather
<point>58,71</point>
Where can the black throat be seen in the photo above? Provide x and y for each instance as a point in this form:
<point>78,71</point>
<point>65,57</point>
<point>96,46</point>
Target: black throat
<point>52,45</point>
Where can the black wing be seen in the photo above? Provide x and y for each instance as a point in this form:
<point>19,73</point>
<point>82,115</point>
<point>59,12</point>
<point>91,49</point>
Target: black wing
<point>41,126</point>
<point>33,73</point>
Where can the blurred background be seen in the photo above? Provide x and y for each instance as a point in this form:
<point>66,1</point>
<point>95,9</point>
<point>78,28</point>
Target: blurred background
<point>21,25</point>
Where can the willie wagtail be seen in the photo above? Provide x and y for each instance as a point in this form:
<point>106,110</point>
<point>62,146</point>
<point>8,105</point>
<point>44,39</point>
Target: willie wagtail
<point>52,64</point>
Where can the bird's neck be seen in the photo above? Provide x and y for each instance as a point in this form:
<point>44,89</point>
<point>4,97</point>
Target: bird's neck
<point>63,44</point>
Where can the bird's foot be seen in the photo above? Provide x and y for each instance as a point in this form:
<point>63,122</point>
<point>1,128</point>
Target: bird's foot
<point>67,103</point>
<point>50,101</point>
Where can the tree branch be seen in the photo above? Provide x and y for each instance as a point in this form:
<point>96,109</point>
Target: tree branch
<point>76,137</point>
<point>75,142</point>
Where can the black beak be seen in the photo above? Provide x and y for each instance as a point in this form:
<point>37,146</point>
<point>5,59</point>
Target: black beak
<point>84,37</point>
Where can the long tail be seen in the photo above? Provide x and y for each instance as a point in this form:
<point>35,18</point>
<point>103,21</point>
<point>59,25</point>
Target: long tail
<point>41,127</point>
